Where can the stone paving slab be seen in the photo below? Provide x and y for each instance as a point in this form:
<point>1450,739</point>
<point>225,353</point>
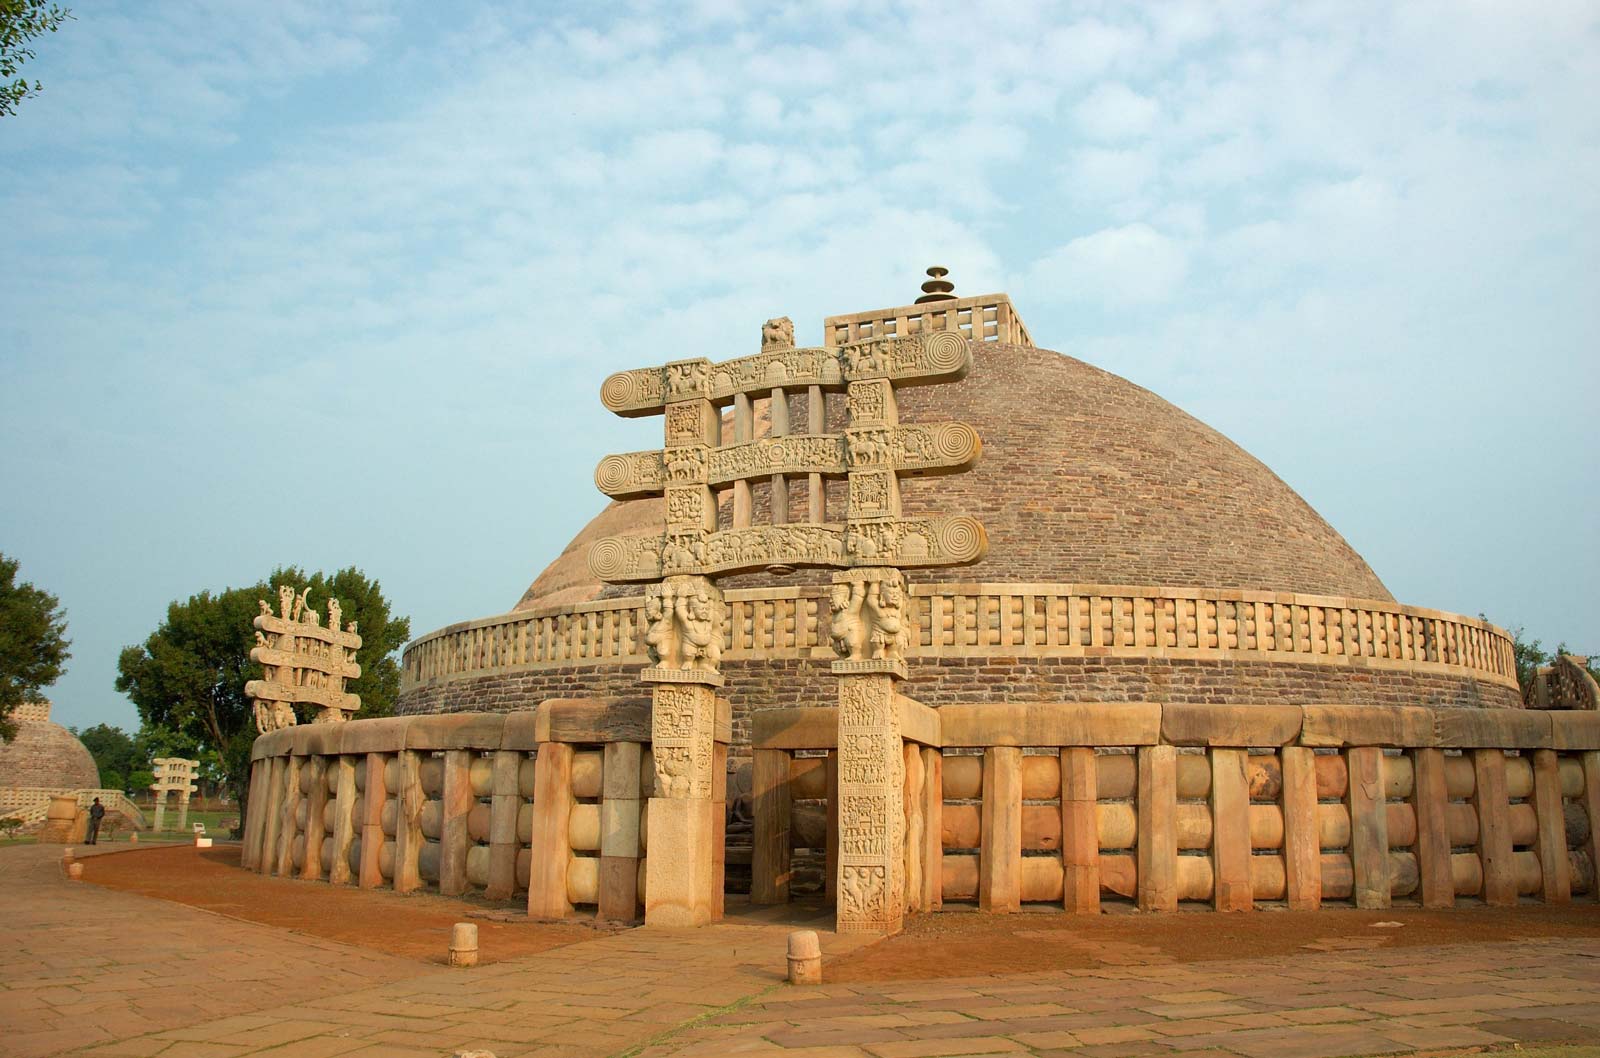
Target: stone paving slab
<point>98,972</point>
<point>1315,1005</point>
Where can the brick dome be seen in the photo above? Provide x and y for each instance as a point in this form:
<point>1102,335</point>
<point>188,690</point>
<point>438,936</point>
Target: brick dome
<point>1085,478</point>
<point>45,754</point>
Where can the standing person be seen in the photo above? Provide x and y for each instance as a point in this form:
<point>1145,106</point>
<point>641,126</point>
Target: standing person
<point>97,812</point>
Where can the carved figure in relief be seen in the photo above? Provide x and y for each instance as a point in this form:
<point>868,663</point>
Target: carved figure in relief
<point>844,626</point>
<point>888,619</point>
<point>868,620</point>
<point>674,767</point>
<point>688,379</point>
<point>777,334</point>
<point>866,403</point>
<point>863,891</point>
<point>686,465</point>
<point>686,617</point>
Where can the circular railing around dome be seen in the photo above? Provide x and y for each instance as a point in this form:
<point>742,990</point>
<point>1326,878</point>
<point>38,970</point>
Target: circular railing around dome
<point>1002,620</point>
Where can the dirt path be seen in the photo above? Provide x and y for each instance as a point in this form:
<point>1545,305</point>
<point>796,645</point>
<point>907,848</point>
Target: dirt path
<point>413,927</point>
<point>964,944</point>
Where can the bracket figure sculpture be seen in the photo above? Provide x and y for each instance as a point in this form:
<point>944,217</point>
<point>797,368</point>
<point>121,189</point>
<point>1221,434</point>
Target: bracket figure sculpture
<point>686,617</point>
<point>303,663</point>
<point>871,624</point>
<point>868,621</point>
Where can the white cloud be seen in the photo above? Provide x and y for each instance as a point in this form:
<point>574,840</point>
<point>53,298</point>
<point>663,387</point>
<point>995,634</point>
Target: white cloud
<point>1117,267</point>
<point>1113,111</point>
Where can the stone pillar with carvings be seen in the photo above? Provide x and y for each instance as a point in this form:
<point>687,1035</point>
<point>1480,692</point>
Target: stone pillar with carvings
<point>871,858</point>
<point>868,631</point>
<point>686,615</point>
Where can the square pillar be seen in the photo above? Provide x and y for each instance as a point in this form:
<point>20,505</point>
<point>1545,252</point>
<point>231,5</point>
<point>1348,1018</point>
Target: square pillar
<point>1494,827</point>
<point>1369,826</point>
<point>1157,841</point>
<point>1554,867</point>
<point>316,800</point>
<point>619,832</point>
<point>1430,800</point>
<point>1000,854</point>
<point>1080,831</point>
<point>552,846</point>
<point>503,807</point>
<point>457,803</point>
<point>915,826</point>
<point>681,870</point>
<point>345,824</point>
<point>1302,829</point>
<point>373,796</point>
<point>408,823</point>
<point>1230,831</point>
<point>871,802</point>
<point>251,850</point>
<point>932,829</point>
<point>284,858</point>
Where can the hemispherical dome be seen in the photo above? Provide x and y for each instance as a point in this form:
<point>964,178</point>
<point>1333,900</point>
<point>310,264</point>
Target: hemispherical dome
<point>1085,478</point>
<point>45,754</point>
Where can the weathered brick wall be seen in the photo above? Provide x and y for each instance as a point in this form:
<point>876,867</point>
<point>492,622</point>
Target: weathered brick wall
<point>948,681</point>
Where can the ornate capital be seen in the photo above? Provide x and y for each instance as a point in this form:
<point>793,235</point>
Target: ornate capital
<point>687,618</point>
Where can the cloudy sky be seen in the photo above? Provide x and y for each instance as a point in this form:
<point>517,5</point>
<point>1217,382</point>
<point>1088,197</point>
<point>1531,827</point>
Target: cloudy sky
<point>335,284</point>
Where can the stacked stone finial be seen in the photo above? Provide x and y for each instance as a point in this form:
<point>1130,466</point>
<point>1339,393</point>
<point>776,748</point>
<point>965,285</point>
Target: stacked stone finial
<point>937,287</point>
<point>303,661</point>
<point>870,625</point>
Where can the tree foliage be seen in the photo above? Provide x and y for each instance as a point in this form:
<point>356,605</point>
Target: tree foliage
<point>114,753</point>
<point>20,22</point>
<point>187,679</point>
<point>33,642</point>
<point>1529,654</point>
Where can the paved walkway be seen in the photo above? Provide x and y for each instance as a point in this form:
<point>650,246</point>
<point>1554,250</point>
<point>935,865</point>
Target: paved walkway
<point>97,972</point>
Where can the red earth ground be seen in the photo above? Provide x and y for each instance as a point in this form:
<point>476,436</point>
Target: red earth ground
<point>950,944</point>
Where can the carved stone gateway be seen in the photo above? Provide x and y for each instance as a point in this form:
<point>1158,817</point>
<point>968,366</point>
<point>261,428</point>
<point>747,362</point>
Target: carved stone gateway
<point>305,663</point>
<point>870,544</point>
<point>173,775</point>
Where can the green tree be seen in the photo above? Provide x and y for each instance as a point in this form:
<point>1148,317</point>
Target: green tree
<point>20,22</point>
<point>33,642</point>
<point>114,754</point>
<point>187,679</point>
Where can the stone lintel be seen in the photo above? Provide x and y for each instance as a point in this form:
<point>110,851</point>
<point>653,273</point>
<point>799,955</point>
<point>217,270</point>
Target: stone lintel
<point>704,677</point>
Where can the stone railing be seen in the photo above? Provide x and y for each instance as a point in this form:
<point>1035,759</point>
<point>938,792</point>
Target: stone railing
<point>987,318</point>
<point>553,802</point>
<point>30,803</point>
<point>1031,620</point>
<point>1067,804</point>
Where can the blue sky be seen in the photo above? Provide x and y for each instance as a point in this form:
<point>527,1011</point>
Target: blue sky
<point>336,283</point>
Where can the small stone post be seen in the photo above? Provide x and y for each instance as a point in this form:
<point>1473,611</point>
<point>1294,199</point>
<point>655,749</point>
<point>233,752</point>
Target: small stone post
<point>805,958</point>
<point>464,944</point>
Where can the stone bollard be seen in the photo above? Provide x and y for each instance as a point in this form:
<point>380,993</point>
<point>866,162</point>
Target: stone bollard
<point>805,958</point>
<point>464,944</point>
<point>75,870</point>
